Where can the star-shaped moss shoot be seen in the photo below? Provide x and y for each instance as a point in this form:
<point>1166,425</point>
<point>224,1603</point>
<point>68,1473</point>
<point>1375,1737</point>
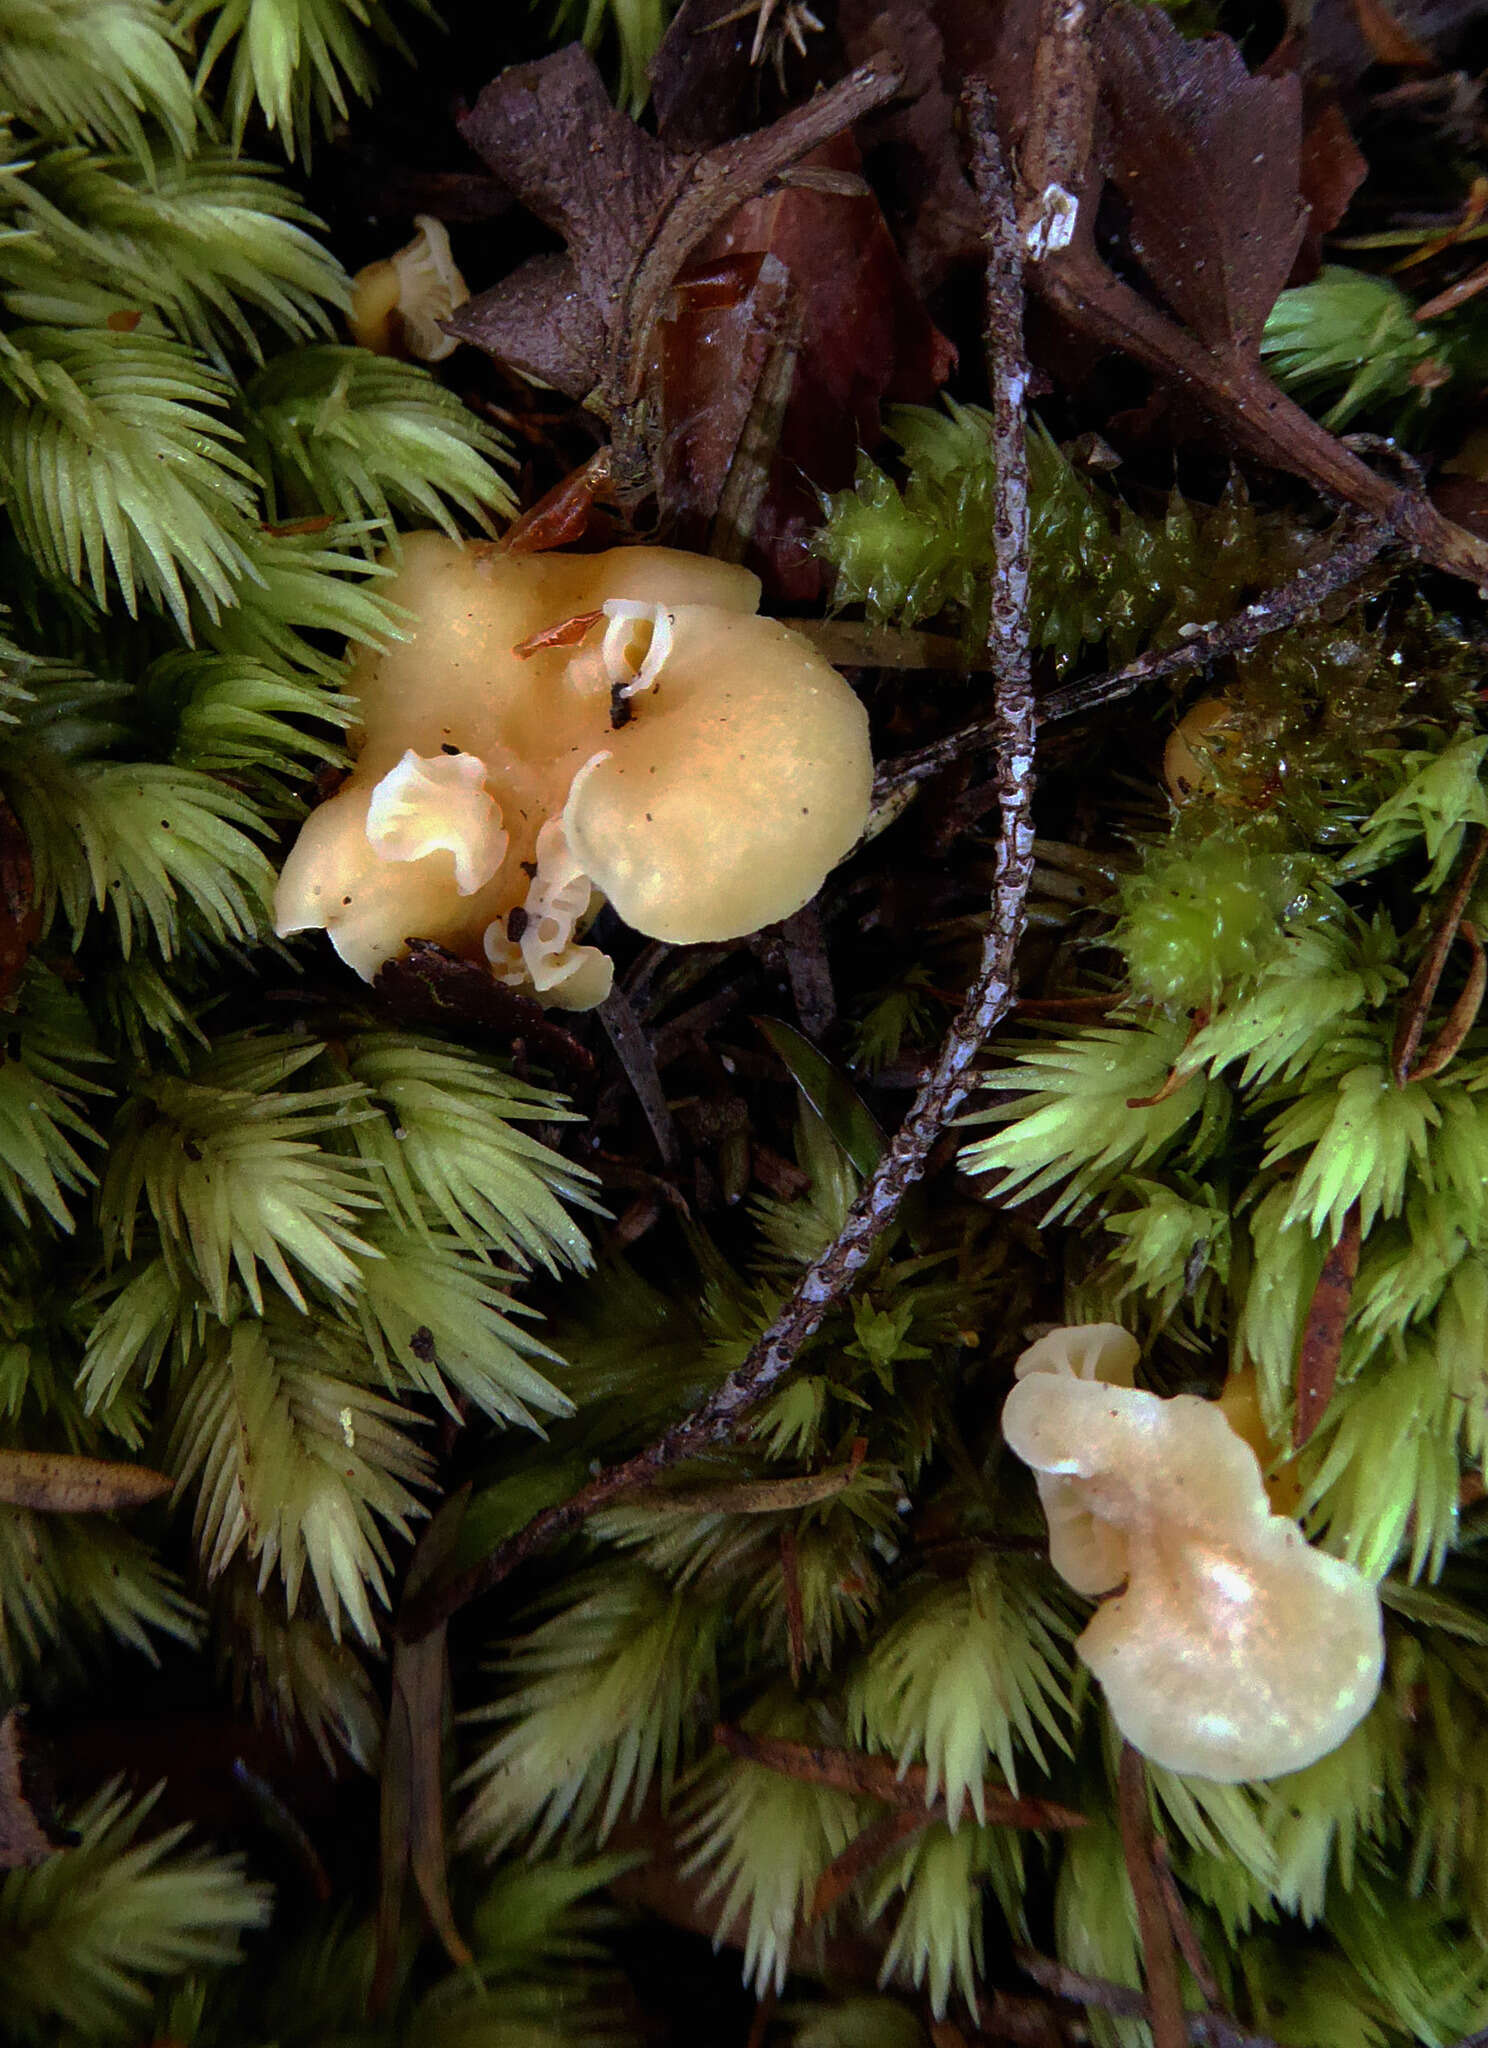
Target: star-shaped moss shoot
<point>1229,1648</point>
<point>558,729</point>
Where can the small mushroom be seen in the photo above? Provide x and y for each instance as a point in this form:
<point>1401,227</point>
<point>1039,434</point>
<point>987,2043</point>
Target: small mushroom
<point>1204,744</point>
<point>1230,1649</point>
<point>563,729</point>
<point>397,304</point>
<point>1240,1404</point>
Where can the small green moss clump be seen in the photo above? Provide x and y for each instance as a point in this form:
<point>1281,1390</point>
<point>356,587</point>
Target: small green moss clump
<point>1204,913</point>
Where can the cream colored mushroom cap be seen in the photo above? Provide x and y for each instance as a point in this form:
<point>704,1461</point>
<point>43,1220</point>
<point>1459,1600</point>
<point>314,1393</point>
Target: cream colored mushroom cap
<point>455,682</point>
<point>706,791</point>
<point>1087,1552</point>
<point>1091,1351</point>
<point>335,880</point>
<point>1235,1651</point>
<point>742,782</point>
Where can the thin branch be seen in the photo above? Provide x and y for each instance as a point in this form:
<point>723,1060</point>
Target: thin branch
<point>1285,606</point>
<point>1240,395</point>
<point>1422,991</point>
<point>1210,2029</point>
<point>753,1496</point>
<point>877,1777</point>
<point>1159,1956</point>
<point>989,998</point>
<point>863,1854</point>
<point>1363,541</point>
<point>1184,1934</point>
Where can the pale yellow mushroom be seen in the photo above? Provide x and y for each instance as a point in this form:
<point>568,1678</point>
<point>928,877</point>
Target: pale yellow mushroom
<point>1201,747</point>
<point>397,304</point>
<point>1230,1649</point>
<point>656,744</point>
<point>1240,1404</point>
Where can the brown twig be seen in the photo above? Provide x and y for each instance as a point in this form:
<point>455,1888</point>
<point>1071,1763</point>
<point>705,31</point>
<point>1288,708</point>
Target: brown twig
<point>1322,1335</point>
<point>864,1853</point>
<point>1183,1928</point>
<point>987,1000</point>
<point>1211,2029</point>
<point>1068,272</point>
<point>753,1496</point>
<point>1279,609</point>
<point>1027,2022</point>
<point>1454,296</point>
<point>1422,991</point>
<point>1159,1956</point>
<point>876,1777</point>
<point>1237,391</point>
<point>1463,1014</point>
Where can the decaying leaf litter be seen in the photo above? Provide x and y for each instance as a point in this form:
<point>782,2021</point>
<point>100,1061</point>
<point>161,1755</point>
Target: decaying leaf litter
<point>972,330</point>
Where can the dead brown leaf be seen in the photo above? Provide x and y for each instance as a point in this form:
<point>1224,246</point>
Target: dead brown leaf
<point>430,986</point>
<point>1388,39</point>
<point>631,212</point>
<point>1139,69</point>
<point>1332,168</point>
<point>796,319</point>
<point>703,86</point>
<point>1207,158</point>
<point>933,211</point>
